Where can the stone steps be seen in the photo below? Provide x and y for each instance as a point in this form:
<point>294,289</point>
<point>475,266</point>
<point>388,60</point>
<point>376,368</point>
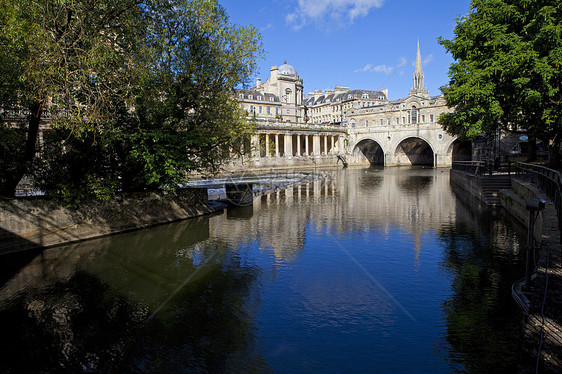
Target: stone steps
<point>491,185</point>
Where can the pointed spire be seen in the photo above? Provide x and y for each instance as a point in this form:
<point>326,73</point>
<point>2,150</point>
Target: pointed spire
<point>418,85</point>
<point>418,60</point>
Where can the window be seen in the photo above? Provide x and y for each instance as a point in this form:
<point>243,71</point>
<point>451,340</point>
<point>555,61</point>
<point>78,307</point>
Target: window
<point>259,110</point>
<point>403,120</point>
<point>397,121</point>
<point>365,96</point>
<point>423,118</point>
<point>251,108</point>
<point>271,99</point>
<point>241,96</point>
<point>431,118</point>
<point>276,111</point>
<point>250,97</point>
<point>414,114</point>
<point>268,110</point>
<point>259,98</point>
<point>242,106</point>
<point>382,122</point>
<point>388,122</point>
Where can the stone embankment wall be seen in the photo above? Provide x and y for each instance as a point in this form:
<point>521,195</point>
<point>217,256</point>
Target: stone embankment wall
<point>472,184</point>
<point>32,223</point>
<point>514,201</point>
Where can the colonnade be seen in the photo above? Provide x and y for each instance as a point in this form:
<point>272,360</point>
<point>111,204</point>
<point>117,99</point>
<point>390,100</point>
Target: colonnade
<point>273,144</point>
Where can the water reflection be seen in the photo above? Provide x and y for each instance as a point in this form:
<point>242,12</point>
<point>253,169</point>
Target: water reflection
<point>368,270</point>
<point>166,299</point>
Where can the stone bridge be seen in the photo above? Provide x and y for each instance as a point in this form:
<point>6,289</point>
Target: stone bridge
<point>410,144</point>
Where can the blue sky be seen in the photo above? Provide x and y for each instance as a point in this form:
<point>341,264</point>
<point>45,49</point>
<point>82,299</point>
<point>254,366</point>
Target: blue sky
<point>362,44</point>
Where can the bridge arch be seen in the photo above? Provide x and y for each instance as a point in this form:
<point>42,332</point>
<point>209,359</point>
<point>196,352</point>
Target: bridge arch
<point>460,150</point>
<point>368,150</point>
<point>414,150</point>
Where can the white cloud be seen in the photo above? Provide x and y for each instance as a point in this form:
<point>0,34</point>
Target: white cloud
<point>369,68</point>
<point>267,27</point>
<point>326,13</point>
<point>428,59</point>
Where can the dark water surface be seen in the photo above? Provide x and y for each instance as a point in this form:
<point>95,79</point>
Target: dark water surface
<point>366,271</point>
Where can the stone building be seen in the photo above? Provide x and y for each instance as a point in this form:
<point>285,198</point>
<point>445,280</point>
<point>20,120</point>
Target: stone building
<point>363,126</point>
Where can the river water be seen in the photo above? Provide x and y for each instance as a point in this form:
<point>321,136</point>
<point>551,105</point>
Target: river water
<point>365,271</point>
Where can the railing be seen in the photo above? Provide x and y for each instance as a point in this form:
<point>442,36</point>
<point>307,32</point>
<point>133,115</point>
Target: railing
<point>471,167</point>
<point>547,180</point>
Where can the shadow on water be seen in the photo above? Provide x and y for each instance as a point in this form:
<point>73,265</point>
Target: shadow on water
<point>483,326</point>
<point>130,303</point>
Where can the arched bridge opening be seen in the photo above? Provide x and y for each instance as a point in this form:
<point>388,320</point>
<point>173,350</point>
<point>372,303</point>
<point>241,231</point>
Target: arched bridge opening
<point>369,151</point>
<point>414,151</point>
<point>461,150</point>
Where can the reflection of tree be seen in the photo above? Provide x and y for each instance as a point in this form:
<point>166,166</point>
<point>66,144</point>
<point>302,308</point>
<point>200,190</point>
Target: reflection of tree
<point>93,323</point>
<point>414,183</point>
<point>482,320</point>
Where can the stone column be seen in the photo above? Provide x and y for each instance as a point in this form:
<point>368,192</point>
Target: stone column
<point>306,146</point>
<point>267,145</point>
<point>276,145</point>
<point>325,145</point>
<point>332,150</point>
<point>316,145</point>
<point>288,145</point>
<point>298,145</point>
<point>255,144</point>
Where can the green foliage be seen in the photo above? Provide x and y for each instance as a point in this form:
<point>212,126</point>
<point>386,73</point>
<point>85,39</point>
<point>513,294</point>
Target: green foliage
<point>138,92</point>
<point>507,70</point>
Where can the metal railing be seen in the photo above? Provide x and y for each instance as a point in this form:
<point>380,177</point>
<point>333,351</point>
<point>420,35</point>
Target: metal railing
<point>547,180</point>
<point>471,167</point>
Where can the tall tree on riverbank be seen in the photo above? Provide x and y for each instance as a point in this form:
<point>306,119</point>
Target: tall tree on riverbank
<point>141,87</point>
<point>507,72</point>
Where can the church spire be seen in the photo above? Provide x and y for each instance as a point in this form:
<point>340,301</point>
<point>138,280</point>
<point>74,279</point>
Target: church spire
<point>418,86</point>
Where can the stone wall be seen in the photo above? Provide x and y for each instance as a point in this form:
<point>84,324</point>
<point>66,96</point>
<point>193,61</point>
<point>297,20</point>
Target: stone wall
<point>32,223</point>
<point>514,201</point>
<point>470,183</point>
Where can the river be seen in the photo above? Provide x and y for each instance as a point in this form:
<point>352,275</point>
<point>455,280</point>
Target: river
<point>365,271</point>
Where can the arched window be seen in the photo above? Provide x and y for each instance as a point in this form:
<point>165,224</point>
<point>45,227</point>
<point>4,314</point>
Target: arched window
<point>414,115</point>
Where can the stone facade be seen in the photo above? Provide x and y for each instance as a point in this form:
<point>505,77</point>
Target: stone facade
<point>363,126</point>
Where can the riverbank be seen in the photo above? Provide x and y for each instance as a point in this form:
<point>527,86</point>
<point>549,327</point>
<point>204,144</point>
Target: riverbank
<point>543,325</point>
<point>542,303</point>
<point>31,223</point>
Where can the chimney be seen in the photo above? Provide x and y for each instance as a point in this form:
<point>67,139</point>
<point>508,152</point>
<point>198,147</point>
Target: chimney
<point>258,82</point>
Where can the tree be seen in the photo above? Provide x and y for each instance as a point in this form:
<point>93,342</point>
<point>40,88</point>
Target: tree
<point>70,61</point>
<point>507,72</point>
<point>144,85</point>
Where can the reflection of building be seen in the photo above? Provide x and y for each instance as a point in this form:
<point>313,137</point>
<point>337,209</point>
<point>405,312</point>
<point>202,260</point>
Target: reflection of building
<point>361,124</point>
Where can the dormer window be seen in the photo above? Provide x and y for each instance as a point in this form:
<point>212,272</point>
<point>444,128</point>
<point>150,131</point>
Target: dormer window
<point>240,96</point>
<point>271,99</point>
<point>250,97</point>
<point>259,97</point>
<point>365,96</point>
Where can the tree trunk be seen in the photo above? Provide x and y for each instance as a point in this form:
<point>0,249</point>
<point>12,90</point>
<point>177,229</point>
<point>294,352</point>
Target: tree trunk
<point>10,185</point>
<point>554,153</point>
<point>532,149</point>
